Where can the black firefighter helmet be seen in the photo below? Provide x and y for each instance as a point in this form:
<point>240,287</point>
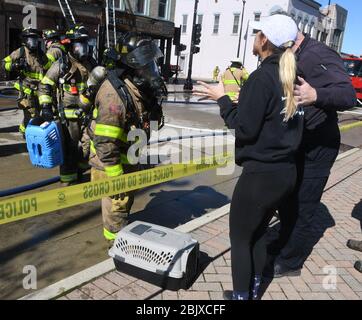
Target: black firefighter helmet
<point>141,54</point>
<point>31,38</point>
<point>77,38</point>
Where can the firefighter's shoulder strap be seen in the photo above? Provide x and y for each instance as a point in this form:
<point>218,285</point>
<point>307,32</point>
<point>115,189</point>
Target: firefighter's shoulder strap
<point>22,53</point>
<point>114,77</point>
<point>67,68</point>
<point>237,81</point>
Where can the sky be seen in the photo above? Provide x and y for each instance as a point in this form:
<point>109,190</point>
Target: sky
<point>352,42</point>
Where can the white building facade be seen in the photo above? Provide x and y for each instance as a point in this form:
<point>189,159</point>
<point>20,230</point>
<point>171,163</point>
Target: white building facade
<point>221,23</point>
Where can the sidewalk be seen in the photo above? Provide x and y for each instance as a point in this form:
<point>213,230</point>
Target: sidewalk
<point>342,197</point>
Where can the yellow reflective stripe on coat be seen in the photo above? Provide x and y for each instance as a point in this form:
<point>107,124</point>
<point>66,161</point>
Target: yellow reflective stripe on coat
<point>24,89</point>
<point>22,128</point>
<point>109,235</point>
<point>232,94</point>
<point>69,177</point>
<point>51,57</point>
<point>51,60</point>
<point>92,147</point>
<point>95,113</point>
<point>48,81</point>
<point>84,100</point>
<point>45,99</point>
<point>114,171</point>
<point>231,82</point>
<point>8,63</point>
<point>80,86</point>
<point>34,75</point>
<point>110,132</point>
<point>70,113</point>
<point>124,157</point>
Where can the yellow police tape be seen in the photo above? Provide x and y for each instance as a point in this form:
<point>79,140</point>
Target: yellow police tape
<point>24,207</point>
<point>350,126</point>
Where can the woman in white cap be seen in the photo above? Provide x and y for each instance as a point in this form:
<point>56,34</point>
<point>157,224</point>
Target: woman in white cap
<point>268,127</point>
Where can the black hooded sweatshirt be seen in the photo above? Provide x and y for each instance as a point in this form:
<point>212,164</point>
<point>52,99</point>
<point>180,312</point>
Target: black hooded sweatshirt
<point>264,142</point>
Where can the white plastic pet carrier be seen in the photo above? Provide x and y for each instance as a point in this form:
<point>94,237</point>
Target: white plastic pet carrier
<point>156,254</point>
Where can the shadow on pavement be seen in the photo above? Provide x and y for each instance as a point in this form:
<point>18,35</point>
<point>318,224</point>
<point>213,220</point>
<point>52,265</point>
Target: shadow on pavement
<point>6,254</point>
<point>13,129</point>
<point>177,207</point>
<point>322,221</point>
<point>11,149</point>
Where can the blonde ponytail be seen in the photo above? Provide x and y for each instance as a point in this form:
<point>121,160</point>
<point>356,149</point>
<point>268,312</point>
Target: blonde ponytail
<point>287,73</point>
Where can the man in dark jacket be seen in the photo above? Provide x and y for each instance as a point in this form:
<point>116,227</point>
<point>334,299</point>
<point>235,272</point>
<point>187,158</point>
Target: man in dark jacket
<point>324,88</point>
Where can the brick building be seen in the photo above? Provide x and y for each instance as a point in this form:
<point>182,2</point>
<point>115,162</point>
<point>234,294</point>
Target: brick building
<point>153,18</point>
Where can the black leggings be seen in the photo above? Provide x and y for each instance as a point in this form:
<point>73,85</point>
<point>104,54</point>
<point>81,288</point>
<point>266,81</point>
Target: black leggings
<point>256,197</point>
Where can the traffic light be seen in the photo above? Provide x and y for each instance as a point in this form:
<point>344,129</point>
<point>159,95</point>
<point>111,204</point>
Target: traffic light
<point>179,48</point>
<point>177,37</point>
<point>197,34</point>
<point>195,49</point>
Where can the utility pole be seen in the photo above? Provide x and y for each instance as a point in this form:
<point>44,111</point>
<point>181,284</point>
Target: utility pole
<point>188,84</point>
<point>241,28</point>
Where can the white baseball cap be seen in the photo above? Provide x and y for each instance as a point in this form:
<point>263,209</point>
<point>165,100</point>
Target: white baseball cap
<point>278,28</point>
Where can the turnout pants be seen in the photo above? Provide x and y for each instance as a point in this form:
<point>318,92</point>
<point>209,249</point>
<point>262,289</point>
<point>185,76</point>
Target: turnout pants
<point>30,106</point>
<point>75,153</point>
<point>115,209</point>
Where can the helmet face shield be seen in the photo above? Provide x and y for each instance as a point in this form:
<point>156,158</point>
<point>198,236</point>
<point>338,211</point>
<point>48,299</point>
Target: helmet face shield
<point>143,55</point>
<point>148,78</point>
<point>31,43</point>
<point>80,50</point>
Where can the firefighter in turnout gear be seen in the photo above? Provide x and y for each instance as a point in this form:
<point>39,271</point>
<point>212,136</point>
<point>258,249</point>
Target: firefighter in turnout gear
<point>29,64</point>
<point>55,50</point>
<point>68,77</point>
<point>129,98</point>
<point>234,78</point>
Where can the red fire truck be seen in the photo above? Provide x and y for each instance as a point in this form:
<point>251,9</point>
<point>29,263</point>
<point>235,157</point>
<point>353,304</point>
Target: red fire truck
<point>353,66</point>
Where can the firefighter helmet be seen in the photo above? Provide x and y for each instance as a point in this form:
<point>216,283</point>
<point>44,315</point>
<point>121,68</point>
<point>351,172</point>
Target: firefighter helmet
<point>31,32</point>
<point>78,40</point>
<point>51,34</point>
<point>31,38</point>
<point>78,33</point>
<point>140,55</point>
<point>137,51</point>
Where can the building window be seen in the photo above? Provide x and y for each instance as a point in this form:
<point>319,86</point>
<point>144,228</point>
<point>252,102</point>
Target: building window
<point>184,23</point>
<point>182,63</point>
<point>163,8</point>
<point>299,23</point>
<point>311,29</point>
<point>118,4</point>
<point>200,18</point>
<point>140,6</point>
<point>257,16</point>
<point>236,23</point>
<point>216,23</point>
